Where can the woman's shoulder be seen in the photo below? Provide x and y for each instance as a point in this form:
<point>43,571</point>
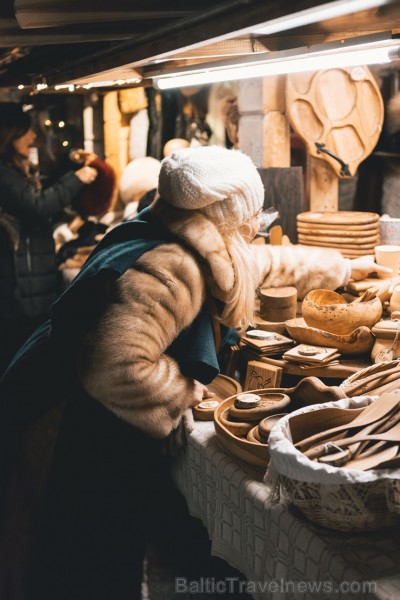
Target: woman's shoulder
<point>10,173</point>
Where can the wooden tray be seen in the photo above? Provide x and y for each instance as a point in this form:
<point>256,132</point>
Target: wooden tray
<point>254,453</point>
<point>223,387</point>
<point>341,108</point>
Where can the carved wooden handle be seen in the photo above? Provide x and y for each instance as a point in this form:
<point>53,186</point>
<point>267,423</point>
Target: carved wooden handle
<point>344,171</point>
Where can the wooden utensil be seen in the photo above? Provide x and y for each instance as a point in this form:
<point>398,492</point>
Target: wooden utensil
<point>378,409</point>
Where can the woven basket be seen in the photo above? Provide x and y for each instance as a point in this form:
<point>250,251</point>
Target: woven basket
<point>334,497</point>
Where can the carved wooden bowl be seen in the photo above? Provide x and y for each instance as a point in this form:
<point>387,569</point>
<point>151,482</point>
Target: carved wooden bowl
<point>329,311</point>
<point>359,341</point>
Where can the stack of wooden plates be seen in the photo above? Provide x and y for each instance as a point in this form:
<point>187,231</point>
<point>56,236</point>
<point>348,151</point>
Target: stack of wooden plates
<point>352,233</point>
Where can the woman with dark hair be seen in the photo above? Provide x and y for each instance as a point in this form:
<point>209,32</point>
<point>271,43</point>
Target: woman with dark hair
<point>29,278</point>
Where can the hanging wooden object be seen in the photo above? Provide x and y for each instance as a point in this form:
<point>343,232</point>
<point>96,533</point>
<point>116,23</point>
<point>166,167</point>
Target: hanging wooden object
<point>338,113</point>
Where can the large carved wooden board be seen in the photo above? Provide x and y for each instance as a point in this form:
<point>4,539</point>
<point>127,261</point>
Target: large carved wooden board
<point>341,108</point>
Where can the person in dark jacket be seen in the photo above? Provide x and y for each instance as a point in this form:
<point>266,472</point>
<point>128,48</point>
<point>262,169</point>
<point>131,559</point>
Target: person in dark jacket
<point>29,278</point>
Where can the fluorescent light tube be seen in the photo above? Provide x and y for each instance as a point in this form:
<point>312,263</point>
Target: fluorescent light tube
<point>330,10</point>
<point>294,63</point>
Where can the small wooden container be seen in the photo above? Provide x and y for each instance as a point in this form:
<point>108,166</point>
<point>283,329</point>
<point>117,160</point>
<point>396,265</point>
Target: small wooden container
<point>387,341</point>
<point>276,304</point>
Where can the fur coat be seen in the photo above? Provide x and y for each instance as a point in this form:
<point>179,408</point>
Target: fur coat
<point>122,361</point>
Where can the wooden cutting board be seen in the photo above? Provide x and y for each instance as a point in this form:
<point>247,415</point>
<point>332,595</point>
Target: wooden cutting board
<point>341,108</point>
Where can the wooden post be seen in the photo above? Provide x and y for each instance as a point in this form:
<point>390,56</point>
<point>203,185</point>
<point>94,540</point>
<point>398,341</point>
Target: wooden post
<point>112,125</point>
<point>323,185</point>
<point>264,132</point>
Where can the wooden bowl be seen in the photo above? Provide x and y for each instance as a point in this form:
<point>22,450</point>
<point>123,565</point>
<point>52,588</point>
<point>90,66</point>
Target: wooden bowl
<point>238,428</point>
<point>329,311</point>
<point>265,426</point>
<point>251,452</point>
<point>359,341</point>
<point>223,387</point>
<point>254,436</point>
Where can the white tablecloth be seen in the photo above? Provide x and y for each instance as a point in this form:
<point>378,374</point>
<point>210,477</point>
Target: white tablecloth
<point>280,554</point>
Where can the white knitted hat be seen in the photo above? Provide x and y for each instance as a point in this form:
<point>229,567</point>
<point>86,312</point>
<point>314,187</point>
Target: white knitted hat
<point>222,184</point>
<point>138,177</point>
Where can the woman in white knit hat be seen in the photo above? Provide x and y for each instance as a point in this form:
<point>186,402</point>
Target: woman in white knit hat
<point>134,334</point>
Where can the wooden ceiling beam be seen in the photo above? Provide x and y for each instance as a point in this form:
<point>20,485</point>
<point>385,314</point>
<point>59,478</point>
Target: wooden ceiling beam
<point>12,35</point>
<point>223,21</point>
<point>56,13</point>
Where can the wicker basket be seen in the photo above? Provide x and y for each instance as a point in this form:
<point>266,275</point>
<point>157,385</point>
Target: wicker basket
<point>338,498</point>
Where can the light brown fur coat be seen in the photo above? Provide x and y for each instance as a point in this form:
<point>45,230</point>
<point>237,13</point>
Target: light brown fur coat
<point>122,362</point>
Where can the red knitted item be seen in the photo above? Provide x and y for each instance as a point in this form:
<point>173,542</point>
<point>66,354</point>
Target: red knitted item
<point>95,199</point>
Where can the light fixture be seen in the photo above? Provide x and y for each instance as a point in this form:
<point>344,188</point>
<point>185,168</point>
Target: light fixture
<point>330,10</point>
<point>365,50</point>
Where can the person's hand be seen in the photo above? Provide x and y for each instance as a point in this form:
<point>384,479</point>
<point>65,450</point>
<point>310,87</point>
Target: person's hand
<point>200,393</point>
<point>86,174</point>
<point>82,156</point>
<point>365,265</point>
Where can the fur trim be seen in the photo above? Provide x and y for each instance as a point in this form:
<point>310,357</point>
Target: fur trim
<point>197,231</point>
<point>123,363</point>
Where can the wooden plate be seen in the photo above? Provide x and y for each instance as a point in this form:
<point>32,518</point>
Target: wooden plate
<point>340,217</point>
<point>223,387</point>
<point>346,230</point>
<point>337,242</point>
<point>343,240</point>
<point>346,252</point>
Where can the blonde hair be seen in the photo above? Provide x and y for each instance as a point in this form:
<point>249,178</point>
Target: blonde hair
<point>240,301</point>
